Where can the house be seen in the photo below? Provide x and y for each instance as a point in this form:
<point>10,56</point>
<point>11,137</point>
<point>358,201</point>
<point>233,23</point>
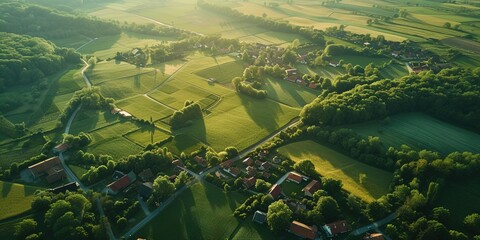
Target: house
<point>334,64</point>
<point>115,110</point>
<point>302,230</point>
<point>373,236</point>
<point>226,164</point>
<point>52,167</point>
<point>200,161</point>
<point>259,217</point>
<point>312,85</point>
<point>145,190</point>
<point>123,182</point>
<point>265,166</point>
<point>220,175</point>
<point>249,182</point>
<point>146,175</point>
<point>266,175</point>
<point>248,161</point>
<point>125,114</point>
<point>251,171</point>
<point>178,163</point>
<point>117,175</point>
<point>258,163</point>
<point>276,160</point>
<point>291,72</point>
<point>311,188</point>
<point>335,228</point>
<point>233,171</point>
<point>60,148</point>
<point>275,191</point>
<point>294,177</point>
<point>72,187</point>
<point>292,78</point>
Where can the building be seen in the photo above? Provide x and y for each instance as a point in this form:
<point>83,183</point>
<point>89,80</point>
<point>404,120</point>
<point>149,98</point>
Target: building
<point>55,174</point>
<point>123,182</point>
<point>311,188</point>
<point>248,161</point>
<point>259,217</point>
<point>178,163</point>
<point>251,171</point>
<point>226,164</point>
<point>51,167</point>
<point>373,236</point>
<point>249,182</point>
<point>125,114</point>
<point>294,177</point>
<point>265,166</point>
<point>60,148</point>
<point>233,171</point>
<point>291,72</point>
<point>115,110</point>
<point>335,228</point>
<point>275,191</point>
<point>72,187</point>
<point>303,230</point>
<point>145,190</point>
<point>312,85</point>
<point>146,175</point>
<point>117,175</point>
<point>200,161</point>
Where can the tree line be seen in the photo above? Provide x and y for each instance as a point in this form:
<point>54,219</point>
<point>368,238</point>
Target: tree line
<point>184,117</point>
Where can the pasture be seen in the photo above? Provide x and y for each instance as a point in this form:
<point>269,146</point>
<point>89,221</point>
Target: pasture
<point>223,73</point>
<point>332,164</point>
<point>200,212</point>
<point>90,120</point>
<point>421,131</point>
<point>147,136</point>
<point>15,198</point>
<point>20,150</point>
<point>145,108</point>
<point>289,93</point>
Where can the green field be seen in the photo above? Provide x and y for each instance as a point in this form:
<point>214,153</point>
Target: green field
<point>15,199</point>
<point>183,143</point>
<point>201,212</point>
<point>145,137</point>
<point>223,73</point>
<point>461,198</point>
<point>89,120</point>
<point>421,131</point>
<point>289,93</point>
<point>20,150</point>
<point>145,108</point>
<point>332,164</point>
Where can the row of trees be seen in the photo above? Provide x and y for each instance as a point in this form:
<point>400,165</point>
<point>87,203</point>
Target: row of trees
<point>183,117</point>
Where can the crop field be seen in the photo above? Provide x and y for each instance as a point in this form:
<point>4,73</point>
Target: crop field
<point>183,143</point>
<point>145,137</point>
<point>89,120</point>
<point>20,150</point>
<point>116,147</point>
<point>325,72</point>
<point>145,108</point>
<point>252,230</point>
<point>421,131</point>
<point>15,199</point>
<point>462,43</point>
<point>469,190</point>
<point>223,73</point>
<point>201,212</point>
<point>247,119</point>
<point>175,94</point>
<point>332,164</point>
<point>289,93</point>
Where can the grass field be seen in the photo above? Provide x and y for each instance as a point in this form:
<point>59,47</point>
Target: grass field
<point>143,107</point>
<point>20,150</point>
<point>223,73</point>
<point>15,199</point>
<point>469,190</point>
<point>89,120</point>
<point>183,143</point>
<point>421,131</point>
<point>330,163</point>
<point>145,137</point>
<point>78,171</point>
<point>289,93</point>
<point>201,212</point>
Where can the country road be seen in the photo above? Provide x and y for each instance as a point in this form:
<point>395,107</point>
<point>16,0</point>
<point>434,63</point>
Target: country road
<point>374,225</point>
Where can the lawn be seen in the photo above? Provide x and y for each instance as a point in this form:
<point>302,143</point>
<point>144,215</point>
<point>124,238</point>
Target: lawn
<point>290,187</point>
<point>116,147</point>
<point>461,198</point>
<point>145,108</point>
<point>421,131</point>
<point>174,94</point>
<point>78,171</point>
<point>332,164</point>
<point>145,137</point>
<point>183,143</point>
<point>223,73</point>
<point>251,230</point>
<point>15,199</point>
<point>289,93</point>
<point>201,212</point>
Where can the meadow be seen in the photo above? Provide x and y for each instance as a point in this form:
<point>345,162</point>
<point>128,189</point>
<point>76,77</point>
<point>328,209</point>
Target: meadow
<point>289,93</point>
<point>15,198</point>
<point>421,131</point>
<point>201,212</point>
<point>20,150</point>
<point>147,136</point>
<point>332,164</point>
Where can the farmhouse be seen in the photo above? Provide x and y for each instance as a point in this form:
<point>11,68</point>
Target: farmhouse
<point>146,175</point>
<point>248,161</point>
<point>311,188</point>
<point>145,189</point>
<point>72,187</point>
<point>60,148</point>
<point>200,161</point>
<point>332,229</point>
<point>259,217</point>
<point>52,167</point>
<point>275,191</point>
<point>303,230</point>
<point>373,236</point>
<point>249,182</point>
<point>117,186</point>
<point>294,177</point>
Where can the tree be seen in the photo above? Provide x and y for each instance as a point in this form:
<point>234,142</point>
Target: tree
<point>329,209</point>
<point>64,225</point>
<point>278,216</point>
<point>262,185</point>
<point>25,228</point>
<point>231,152</point>
<point>472,222</point>
<point>432,192</point>
<point>162,188</point>
<point>79,204</point>
<point>447,25</point>
<point>332,186</point>
<point>181,179</point>
<point>441,214</point>
<point>376,210</point>
<point>362,178</point>
<point>456,235</point>
<point>57,209</point>
<point>306,167</point>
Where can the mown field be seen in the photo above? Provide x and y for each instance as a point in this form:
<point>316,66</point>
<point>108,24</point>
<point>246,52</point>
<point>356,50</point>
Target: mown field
<point>421,131</point>
<point>289,93</point>
<point>332,164</point>
<point>15,198</point>
<point>201,212</point>
<point>20,150</point>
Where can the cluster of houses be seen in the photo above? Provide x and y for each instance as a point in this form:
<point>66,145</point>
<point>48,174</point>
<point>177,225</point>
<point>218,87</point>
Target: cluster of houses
<point>121,113</point>
<point>292,75</point>
<point>251,168</point>
<point>142,181</point>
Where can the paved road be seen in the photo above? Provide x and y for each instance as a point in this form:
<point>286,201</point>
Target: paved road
<point>85,44</point>
<point>374,225</point>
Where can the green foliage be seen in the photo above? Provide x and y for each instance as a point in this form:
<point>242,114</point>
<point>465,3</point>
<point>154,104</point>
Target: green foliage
<point>25,228</point>
<point>188,113</point>
<point>328,207</point>
<point>472,223</point>
<point>306,167</point>
<point>162,188</point>
<point>278,216</point>
<point>262,185</point>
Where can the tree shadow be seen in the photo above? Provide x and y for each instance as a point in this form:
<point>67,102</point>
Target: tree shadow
<point>263,114</point>
<point>7,186</point>
<point>216,197</point>
<point>194,231</point>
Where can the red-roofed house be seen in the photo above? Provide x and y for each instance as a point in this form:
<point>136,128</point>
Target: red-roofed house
<point>44,166</point>
<point>200,160</point>
<point>233,171</point>
<point>335,228</point>
<point>265,166</point>
<point>60,148</point>
<point>311,188</point>
<point>251,171</point>
<point>178,163</point>
<point>295,177</point>
<point>248,161</point>
<point>117,186</point>
<point>275,191</point>
<point>303,230</point>
<point>226,164</point>
<point>373,236</point>
<point>312,85</point>
<point>249,182</point>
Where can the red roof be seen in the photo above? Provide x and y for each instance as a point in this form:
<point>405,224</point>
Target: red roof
<point>248,161</point>
<point>312,187</point>
<point>303,230</point>
<point>120,184</point>
<point>235,171</point>
<point>258,162</point>
<point>266,165</point>
<point>227,163</point>
<point>312,85</point>
<point>338,227</point>
<point>199,160</point>
<point>249,182</point>
<point>275,190</point>
<point>62,147</point>
<point>44,165</point>
<point>295,177</point>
